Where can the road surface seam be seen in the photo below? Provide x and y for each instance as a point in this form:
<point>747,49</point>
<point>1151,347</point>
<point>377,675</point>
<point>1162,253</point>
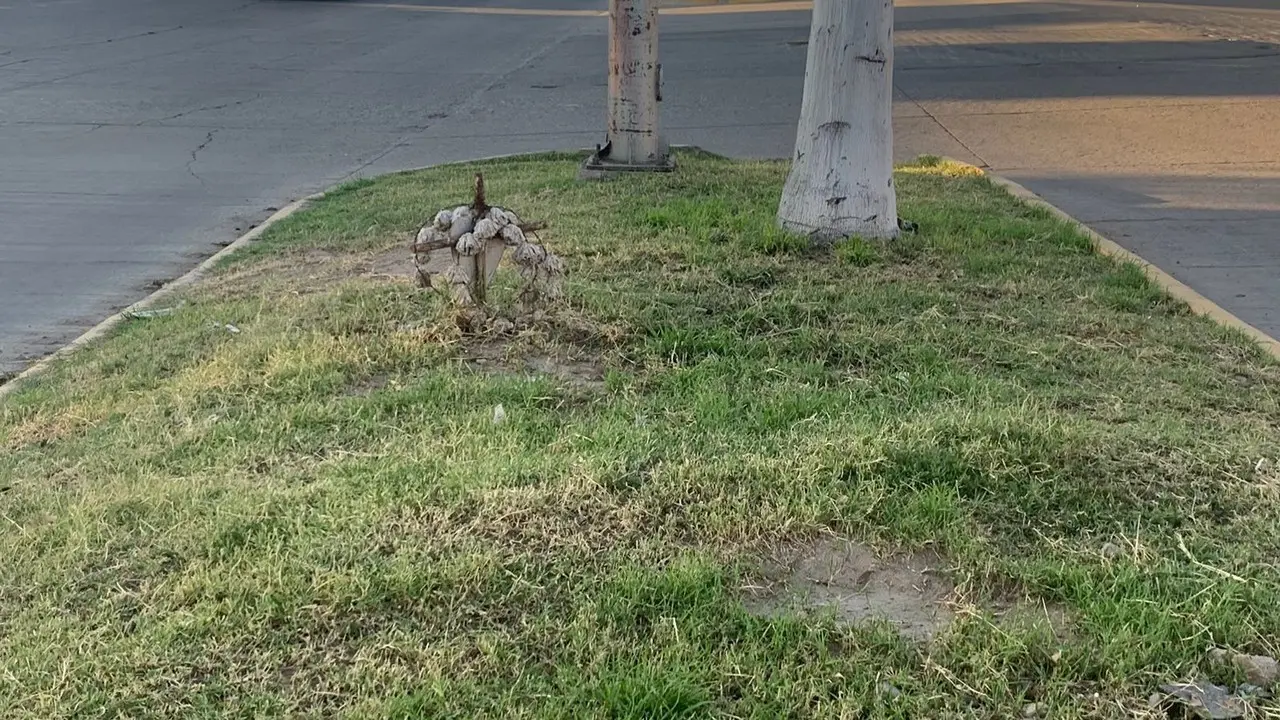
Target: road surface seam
<point>470,101</point>
<point>945,129</point>
<point>726,9</point>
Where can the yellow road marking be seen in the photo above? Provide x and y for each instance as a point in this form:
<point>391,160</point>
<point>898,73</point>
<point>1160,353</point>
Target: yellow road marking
<point>481,10</point>
<point>723,9</point>
<point>739,7</point>
<point>730,7</point>
<point>705,7</point>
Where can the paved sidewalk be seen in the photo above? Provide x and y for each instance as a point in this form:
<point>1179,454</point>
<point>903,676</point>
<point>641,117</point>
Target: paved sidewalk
<point>1155,124</point>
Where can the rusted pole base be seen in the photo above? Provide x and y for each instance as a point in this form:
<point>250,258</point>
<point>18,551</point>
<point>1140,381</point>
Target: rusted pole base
<point>600,167</point>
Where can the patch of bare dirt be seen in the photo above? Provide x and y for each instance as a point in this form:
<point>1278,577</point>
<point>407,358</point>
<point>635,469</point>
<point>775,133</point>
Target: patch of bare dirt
<point>368,385</point>
<point>316,270</point>
<point>909,591</point>
<point>574,372</point>
<point>500,358</point>
<point>395,263</point>
<point>914,592</point>
<point>1025,614</point>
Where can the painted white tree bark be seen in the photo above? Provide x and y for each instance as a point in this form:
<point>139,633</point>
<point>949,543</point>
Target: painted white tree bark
<point>634,135</point>
<point>841,181</point>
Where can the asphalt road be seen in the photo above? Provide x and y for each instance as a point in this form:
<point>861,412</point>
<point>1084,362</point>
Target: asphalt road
<point>138,135</point>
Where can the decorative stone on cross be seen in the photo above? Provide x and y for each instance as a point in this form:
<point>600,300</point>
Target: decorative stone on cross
<point>475,238</point>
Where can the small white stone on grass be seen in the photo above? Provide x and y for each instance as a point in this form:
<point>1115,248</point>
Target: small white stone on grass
<point>1261,670</point>
<point>888,690</point>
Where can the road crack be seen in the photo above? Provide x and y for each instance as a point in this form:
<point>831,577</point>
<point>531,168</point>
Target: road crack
<point>208,138</point>
<point>205,108</point>
<point>982,163</point>
<point>119,38</point>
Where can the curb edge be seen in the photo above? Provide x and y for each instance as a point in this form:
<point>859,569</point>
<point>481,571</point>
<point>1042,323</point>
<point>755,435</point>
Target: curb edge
<point>11,385</point>
<point>1198,303</point>
<point>187,278</point>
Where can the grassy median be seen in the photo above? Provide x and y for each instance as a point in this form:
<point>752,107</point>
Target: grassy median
<point>289,496</point>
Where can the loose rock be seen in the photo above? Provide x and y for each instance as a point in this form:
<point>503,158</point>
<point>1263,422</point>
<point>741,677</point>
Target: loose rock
<point>468,245</point>
<point>1206,700</point>
<point>1249,691</point>
<point>513,234</point>
<point>1261,670</point>
<point>462,225</point>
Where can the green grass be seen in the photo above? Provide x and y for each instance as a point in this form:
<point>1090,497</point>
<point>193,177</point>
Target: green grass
<point>316,517</point>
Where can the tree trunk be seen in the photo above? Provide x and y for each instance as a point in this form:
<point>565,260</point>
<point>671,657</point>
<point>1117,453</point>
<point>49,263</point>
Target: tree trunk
<point>841,181</point>
<point>634,136</point>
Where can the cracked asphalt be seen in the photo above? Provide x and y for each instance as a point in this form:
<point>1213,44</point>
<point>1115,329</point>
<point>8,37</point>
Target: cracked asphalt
<point>138,136</point>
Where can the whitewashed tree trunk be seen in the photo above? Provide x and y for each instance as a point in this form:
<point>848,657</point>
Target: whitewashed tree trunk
<point>634,136</point>
<point>841,181</point>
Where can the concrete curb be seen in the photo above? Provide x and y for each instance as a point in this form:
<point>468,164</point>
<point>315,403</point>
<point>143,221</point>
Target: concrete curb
<point>104,327</point>
<point>1198,303</point>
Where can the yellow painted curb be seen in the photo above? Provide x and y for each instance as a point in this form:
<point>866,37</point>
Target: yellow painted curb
<point>1198,303</point>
